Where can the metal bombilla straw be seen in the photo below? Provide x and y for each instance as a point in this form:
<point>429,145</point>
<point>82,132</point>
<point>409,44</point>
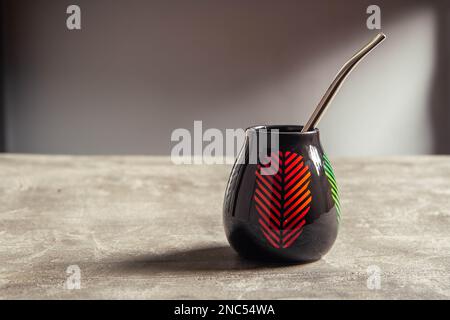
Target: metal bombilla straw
<point>339,80</point>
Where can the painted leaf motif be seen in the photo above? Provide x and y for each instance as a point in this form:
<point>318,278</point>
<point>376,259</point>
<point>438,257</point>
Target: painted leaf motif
<point>334,187</point>
<point>282,198</point>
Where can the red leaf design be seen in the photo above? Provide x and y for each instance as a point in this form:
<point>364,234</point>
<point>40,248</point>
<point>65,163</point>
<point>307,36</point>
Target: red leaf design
<point>282,197</point>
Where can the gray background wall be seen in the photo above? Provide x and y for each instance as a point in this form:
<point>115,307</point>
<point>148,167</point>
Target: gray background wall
<point>139,69</point>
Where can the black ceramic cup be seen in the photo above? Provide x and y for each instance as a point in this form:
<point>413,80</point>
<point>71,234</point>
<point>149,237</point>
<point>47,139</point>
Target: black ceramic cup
<point>281,201</point>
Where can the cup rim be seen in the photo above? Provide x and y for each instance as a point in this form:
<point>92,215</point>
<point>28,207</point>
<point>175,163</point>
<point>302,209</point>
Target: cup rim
<point>283,129</point>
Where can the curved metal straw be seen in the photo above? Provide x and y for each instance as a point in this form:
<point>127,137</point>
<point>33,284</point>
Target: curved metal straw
<point>339,80</point>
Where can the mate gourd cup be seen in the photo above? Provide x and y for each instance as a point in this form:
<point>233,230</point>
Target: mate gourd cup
<point>284,206</point>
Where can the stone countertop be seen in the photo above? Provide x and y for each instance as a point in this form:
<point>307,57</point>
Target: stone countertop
<point>140,227</point>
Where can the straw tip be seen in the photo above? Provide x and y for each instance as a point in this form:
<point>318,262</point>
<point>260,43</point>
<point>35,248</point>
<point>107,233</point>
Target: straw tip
<point>382,35</point>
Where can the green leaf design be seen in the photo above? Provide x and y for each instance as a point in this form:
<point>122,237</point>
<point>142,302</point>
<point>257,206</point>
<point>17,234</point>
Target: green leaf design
<point>334,188</point>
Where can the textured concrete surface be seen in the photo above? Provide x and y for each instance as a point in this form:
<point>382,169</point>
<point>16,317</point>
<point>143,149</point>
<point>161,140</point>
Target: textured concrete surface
<point>139,227</point>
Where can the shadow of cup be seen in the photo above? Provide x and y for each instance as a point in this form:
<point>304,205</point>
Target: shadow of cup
<point>204,259</point>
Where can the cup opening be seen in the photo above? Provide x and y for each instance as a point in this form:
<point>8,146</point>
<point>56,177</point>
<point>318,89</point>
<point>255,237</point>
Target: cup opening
<point>283,129</point>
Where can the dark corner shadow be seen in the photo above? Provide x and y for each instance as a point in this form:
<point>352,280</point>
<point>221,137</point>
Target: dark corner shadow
<point>214,258</point>
<point>439,96</point>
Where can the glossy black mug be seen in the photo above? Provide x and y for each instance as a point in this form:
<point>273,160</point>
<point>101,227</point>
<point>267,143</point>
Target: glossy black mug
<point>281,203</point>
